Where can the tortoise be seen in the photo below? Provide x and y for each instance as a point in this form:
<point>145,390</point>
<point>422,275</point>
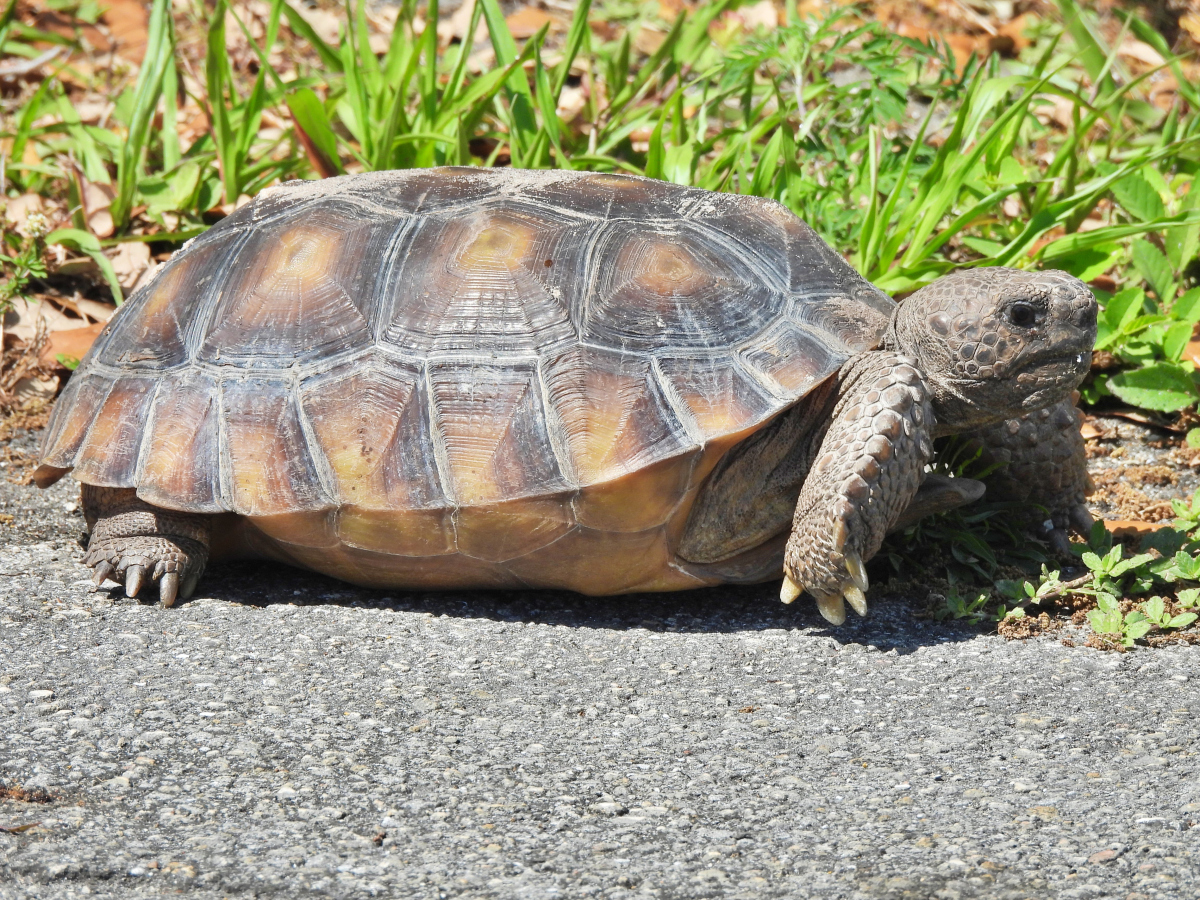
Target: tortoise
<point>470,378</point>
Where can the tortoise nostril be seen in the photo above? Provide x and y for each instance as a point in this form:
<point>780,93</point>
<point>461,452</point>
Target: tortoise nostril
<point>1086,317</point>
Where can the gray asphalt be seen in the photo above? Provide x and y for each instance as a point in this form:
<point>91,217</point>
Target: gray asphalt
<point>284,735</point>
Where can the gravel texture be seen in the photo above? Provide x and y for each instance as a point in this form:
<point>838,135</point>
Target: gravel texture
<point>284,735</point>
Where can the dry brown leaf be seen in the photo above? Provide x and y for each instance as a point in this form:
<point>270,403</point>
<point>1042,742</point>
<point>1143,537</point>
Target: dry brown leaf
<point>648,39</point>
<point>1120,528</point>
<point>527,21</point>
<point>324,23</point>
<point>1142,52</point>
<point>130,260</point>
<point>127,21</point>
<point>73,344</point>
<point>1190,22</point>
<point>97,198</point>
<point>17,210</point>
<point>35,388</point>
<point>756,15</point>
<point>26,317</point>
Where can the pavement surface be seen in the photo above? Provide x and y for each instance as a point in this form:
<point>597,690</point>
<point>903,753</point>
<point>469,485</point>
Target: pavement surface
<point>285,735</point>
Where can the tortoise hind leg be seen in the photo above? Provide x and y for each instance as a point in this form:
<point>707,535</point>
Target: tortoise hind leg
<point>134,542</point>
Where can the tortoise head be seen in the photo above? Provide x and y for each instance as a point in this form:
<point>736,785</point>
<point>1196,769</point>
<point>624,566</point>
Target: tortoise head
<point>996,343</point>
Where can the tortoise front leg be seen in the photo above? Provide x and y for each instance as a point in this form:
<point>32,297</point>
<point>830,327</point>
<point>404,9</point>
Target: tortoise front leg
<point>130,540</point>
<point>867,472</point>
<point>1040,459</point>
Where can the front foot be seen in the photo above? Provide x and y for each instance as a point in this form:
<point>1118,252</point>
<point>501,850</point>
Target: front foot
<point>867,471</point>
<point>136,543</point>
<point>175,563</point>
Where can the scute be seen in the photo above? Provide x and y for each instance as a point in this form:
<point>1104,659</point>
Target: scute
<point>658,285</point>
<point>461,364</point>
<point>303,286</point>
<point>483,281</point>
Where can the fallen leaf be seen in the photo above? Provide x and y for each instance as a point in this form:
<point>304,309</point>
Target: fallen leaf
<point>1132,527</point>
<point>130,260</point>
<point>1142,52</point>
<point>73,344</point>
<point>18,209</point>
<point>127,21</point>
<point>527,21</point>
<point>97,198</point>
<point>756,15</point>
<point>1190,22</point>
<point>21,319</point>
<point>1090,432</point>
<point>34,388</point>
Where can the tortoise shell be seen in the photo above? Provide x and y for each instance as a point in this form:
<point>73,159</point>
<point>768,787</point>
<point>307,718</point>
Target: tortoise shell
<point>463,377</point>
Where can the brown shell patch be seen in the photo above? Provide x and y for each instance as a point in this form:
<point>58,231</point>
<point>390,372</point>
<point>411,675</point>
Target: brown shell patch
<point>182,459</point>
<point>152,331</point>
<point>305,287</point>
<point>73,416</point>
<point>614,415</point>
<point>794,359</point>
<point>493,427</point>
<point>372,425</point>
<point>658,285</point>
<point>270,468</point>
<point>109,456</point>
<point>721,397</point>
<point>479,282</point>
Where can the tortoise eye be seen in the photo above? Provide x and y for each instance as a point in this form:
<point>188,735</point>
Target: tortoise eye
<point>1022,315</point>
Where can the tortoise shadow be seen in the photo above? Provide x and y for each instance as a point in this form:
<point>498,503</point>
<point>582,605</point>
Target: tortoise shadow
<point>891,625</point>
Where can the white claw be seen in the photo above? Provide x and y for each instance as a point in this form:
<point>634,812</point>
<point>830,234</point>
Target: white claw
<point>790,590</point>
<point>854,565</point>
<point>856,599</point>
<point>832,608</point>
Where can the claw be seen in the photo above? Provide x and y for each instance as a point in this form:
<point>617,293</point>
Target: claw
<point>168,588</point>
<point>832,608</point>
<point>189,586</point>
<point>790,590</point>
<point>103,570</point>
<point>854,565</point>
<point>133,580</point>
<point>857,601</point>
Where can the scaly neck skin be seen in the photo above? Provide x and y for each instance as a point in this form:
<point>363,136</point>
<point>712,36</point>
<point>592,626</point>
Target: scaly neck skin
<point>953,412</point>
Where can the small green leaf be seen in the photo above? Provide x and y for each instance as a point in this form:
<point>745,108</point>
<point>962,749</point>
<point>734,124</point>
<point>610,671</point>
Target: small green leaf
<point>1187,307</point>
<point>1161,386</point>
<point>1182,620</point>
<point>1092,561</point>
<point>1155,268</point>
<point>1154,608</point>
<point>1175,340</point>
<point>1138,198</point>
<point>1187,599</point>
<point>1136,625</point>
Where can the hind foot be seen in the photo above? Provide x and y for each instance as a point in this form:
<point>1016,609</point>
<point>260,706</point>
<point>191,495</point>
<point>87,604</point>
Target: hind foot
<point>135,543</point>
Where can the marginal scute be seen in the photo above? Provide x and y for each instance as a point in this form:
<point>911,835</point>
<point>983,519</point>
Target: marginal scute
<point>720,396</point>
<point>369,418</point>
<point>795,359</point>
<point>271,470</point>
<point>615,415</point>
<point>400,532</point>
<point>109,455</point>
<point>507,530</point>
<point>181,465</point>
<point>73,416</point>
<point>491,420</point>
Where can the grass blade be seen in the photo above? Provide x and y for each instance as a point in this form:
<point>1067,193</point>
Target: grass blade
<point>160,47</point>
